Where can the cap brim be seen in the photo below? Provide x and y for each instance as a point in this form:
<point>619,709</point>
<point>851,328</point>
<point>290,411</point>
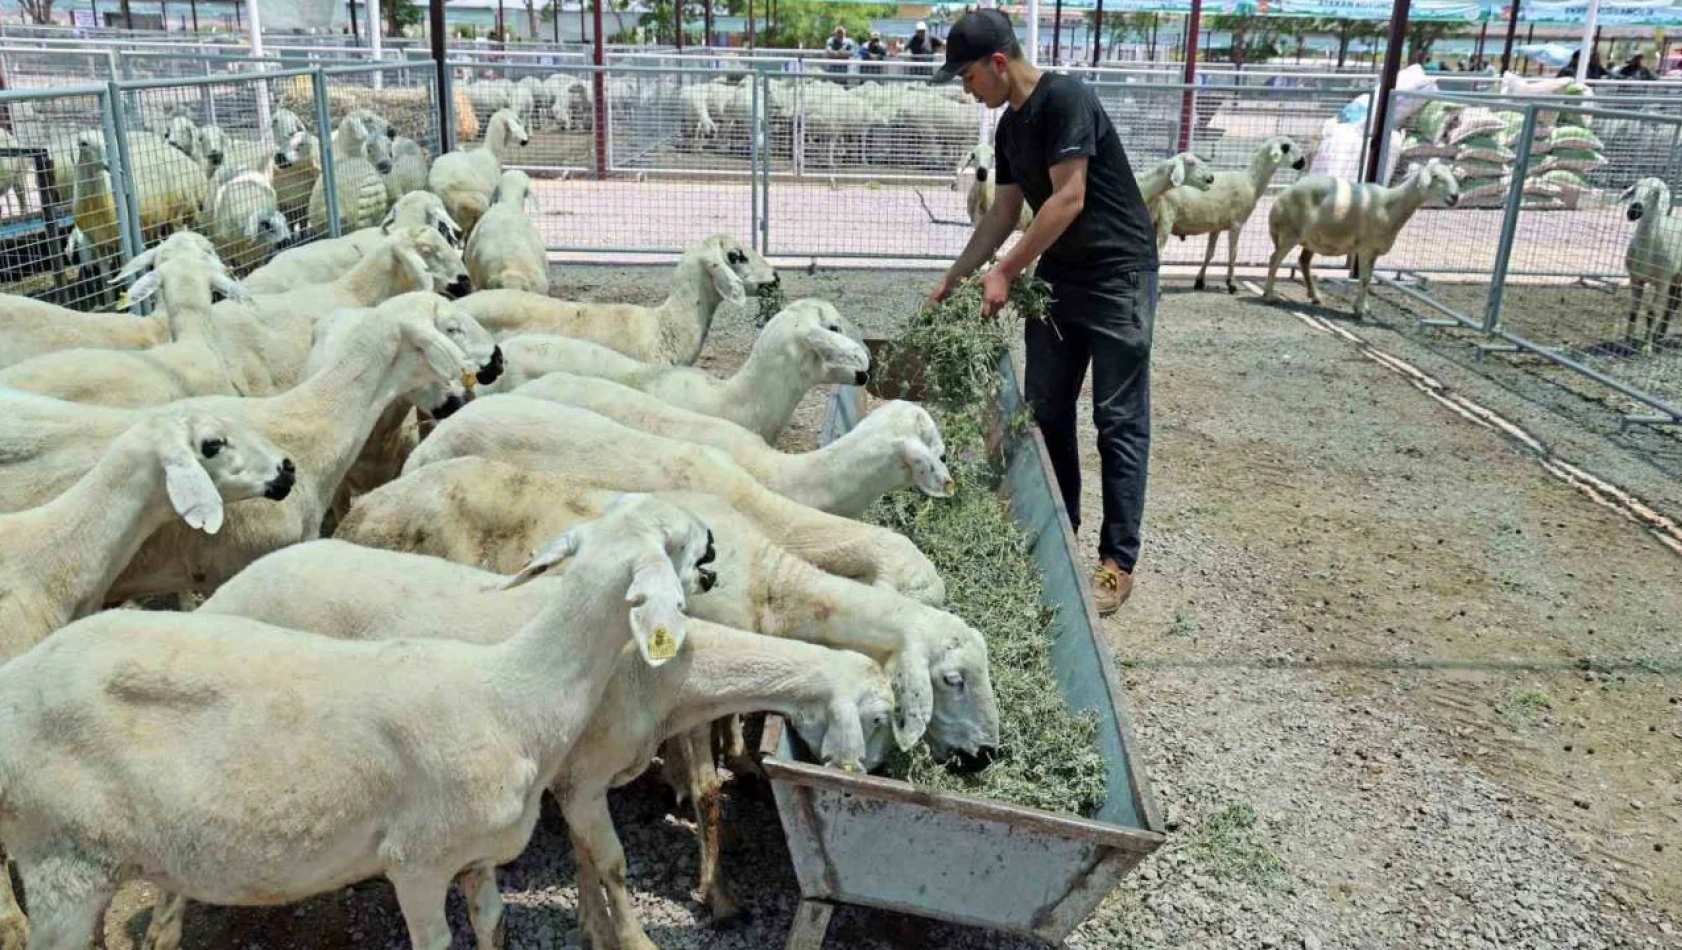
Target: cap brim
<point>946,73</point>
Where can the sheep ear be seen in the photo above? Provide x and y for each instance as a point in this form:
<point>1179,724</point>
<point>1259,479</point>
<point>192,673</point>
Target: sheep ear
<point>1628,195</point>
<point>1177,174</point>
<point>656,601</point>
<point>928,473</point>
<point>189,486</point>
<point>558,550</point>
<point>443,357</point>
<point>843,736</point>
<point>838,351</point>
<point>229,287</point>
<point>145,287</point>
<point>415,265</point>
<point>390,219</point>
<point>725,281</point>
<point>139,263</point>
<point>1414,168</point>
<point>914,691</point>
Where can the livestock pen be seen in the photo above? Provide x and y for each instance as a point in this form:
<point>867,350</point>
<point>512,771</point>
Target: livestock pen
<point>853,183</point>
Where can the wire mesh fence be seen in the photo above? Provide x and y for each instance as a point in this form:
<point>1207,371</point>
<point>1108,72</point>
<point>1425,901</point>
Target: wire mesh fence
<point>58,235</point>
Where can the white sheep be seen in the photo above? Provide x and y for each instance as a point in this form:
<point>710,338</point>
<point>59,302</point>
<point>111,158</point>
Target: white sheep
<point>1225,206</point>
<point>360,160</point>
<point>297,166</point>
<point>568,101</point>
<point>807,344</point>
<point>616,456</point>
<point>1328,216</point>
<point>896,446</point>
<point>718,269</point>
<point>171,192</point>
<point>492,515</point>
<point>465,178</point>
<point>245,218</point>
<point>323,586</point>
<point>1184,169</point>
<point>33,327</point>
<point>57,560</point>
<point>409,164</point>
<point>506,252</point>
<point>216,150</point>
<point>985,186</point>
<point>1654,256</point>
<point>376,781</point>
<point>413,347</point>
<point>323,261</point>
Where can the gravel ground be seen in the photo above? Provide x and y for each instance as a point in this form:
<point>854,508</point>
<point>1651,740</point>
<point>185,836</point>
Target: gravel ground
<point>1394,686</point>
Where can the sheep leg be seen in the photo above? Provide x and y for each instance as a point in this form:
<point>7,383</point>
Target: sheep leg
<point>14,926</point>
<point>1363,267</point>
<point>1232,259</point>
<point>592,828</point>
<point>594,921</point>
<point>1208,255</point>
<point>1656,335</point>
<point>164,932</point>
<point>421,899</point>
<point>706,796</point>
<point>67,901</point>
<point>1308,276</point>
<point>1637,289</point>
<point>1279,252</point>
<point>484,905</point>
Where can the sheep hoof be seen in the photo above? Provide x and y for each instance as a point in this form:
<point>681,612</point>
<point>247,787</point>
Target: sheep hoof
<point>1197,284</point>
<point>1231,288</point>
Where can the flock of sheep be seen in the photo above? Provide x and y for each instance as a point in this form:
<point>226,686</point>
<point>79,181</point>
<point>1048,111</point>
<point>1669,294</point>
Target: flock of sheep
<point>569,549</point>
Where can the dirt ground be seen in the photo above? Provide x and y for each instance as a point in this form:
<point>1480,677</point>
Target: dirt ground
<point>1394,684</point>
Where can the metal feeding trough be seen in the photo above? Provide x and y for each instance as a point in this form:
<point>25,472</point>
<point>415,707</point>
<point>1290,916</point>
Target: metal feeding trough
<point>877,842</point>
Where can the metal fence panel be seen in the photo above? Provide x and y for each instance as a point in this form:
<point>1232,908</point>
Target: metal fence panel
<point>405,97</point>
<point>43,172</point>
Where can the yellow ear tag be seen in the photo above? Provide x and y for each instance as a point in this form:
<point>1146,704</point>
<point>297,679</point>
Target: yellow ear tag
<point>662,645</point>
<point>950,486</point>
<point>469,380</point>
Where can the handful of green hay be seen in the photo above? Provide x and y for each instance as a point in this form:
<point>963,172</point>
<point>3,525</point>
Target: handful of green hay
<point>771,302</point>
<point>1049,755</point>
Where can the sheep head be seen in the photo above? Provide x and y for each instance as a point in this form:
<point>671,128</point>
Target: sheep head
<point>1283,150</point>
<point>1648,194</point>
<point>1436,180</point>
<point>422,209</point>
<point>736,269</point>
<point>267,227</point>
<point>917,443</point>
<point>854,728</point>
<point>946,687</point>
<point>513,129</point>
<point>430,261</point>
<point>825,347</point>
<point>211,145</point>
<point>1192,172</point>
<point>209,460</point>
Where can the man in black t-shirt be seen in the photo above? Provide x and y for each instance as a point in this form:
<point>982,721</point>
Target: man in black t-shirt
<point>1056,149</point>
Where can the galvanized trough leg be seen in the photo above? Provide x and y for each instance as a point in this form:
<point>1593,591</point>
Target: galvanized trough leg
<point>811,922</point>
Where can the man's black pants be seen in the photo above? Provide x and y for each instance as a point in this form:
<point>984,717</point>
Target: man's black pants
<point>1108,325</point>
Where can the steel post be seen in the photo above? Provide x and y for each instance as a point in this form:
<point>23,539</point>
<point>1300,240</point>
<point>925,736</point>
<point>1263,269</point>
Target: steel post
<point>117,163</point>
<point>329,181</point>
<point>1509,221</point>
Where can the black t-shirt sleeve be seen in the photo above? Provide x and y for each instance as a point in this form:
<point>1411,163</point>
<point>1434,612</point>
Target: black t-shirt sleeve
<point>1001,163</point>
<point>1070,127</point>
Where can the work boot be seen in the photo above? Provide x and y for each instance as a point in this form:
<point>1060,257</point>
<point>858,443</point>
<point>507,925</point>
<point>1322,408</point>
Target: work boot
<point>1111,586</point>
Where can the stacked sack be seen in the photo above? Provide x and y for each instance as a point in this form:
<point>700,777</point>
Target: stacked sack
<point>1481,145</point>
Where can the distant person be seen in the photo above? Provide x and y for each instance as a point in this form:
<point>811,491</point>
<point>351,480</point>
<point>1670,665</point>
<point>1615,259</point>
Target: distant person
<point>1595,71</point>
<point>874,49</point>
<point>921,43</point>
<point>1636,69</point>
<point>838,45</point>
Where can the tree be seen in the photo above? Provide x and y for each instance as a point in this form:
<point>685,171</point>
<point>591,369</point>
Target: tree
<point>1253,36</point>
<point>1348,31</point>
<point>1423,34</point>
<point>38,11</point>
<point>807,23</point>
<point>402,13</point>
<point>1120,27</point>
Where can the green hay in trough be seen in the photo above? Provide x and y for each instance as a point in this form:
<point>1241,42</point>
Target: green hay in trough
<point>1050,756</point>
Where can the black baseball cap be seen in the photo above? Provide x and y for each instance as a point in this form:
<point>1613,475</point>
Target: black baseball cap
<point>977,35</point>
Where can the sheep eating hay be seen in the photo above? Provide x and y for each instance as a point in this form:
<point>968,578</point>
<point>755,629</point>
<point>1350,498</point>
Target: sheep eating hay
<point>419,760</point>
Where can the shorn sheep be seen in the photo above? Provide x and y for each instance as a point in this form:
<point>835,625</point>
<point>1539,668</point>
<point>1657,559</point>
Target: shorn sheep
<point>1328,216</point>
<point>245,219</point>
<point>360,160</point>
<point>326,260</point>
<point>807,344</point>
<point>423,761</point>
<point>896,446</point>
<point>610,455</point>
<point>414,348</point>
<point>506,252</point>
<point>1654,256</point>
<point>716,270</point>
<point>1225,206</point>
<point>323,587</point>
<point>465,178</point>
